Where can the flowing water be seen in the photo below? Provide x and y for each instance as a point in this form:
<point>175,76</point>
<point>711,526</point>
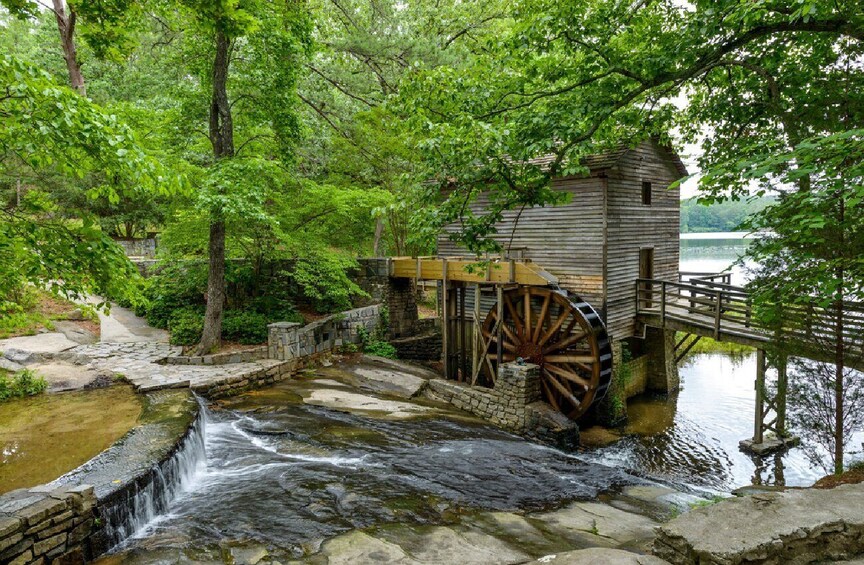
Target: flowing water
<point>290,475</point>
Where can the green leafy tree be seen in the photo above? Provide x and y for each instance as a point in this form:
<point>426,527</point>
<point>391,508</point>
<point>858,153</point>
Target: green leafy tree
<point>48,129</point>
<point>568,79</point>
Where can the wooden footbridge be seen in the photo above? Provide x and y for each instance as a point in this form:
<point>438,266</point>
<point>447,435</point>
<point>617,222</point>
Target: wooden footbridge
<point>707,305</point>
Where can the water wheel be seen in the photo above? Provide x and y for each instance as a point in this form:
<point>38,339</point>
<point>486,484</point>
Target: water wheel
<point>563,335</point>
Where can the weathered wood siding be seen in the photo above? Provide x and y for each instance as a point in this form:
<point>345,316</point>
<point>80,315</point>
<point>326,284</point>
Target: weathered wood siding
<point>632,226</point>
<point>565,240</point>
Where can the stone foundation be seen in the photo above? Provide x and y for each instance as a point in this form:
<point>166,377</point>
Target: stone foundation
<point>514,404</point>
<point>47,526</point>
<point>398,296</point>
<point>426,347</point>
<point>662,369</point>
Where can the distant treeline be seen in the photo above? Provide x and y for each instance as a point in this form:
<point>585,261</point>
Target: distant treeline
<point>725,216</point>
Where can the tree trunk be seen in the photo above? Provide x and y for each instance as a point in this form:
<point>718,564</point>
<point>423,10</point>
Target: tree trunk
<point>222,140</point>
<point>379,231</point>
<point>211,336</point>
<point>66,27</point>
<point>839,349</point>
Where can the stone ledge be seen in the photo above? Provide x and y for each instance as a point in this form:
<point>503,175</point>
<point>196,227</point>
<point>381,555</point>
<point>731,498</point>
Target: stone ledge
<point>796,526</point>
<point>47,522</point>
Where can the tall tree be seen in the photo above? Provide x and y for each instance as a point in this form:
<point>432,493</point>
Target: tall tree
<point>271,39</point>
<point>104,25</point>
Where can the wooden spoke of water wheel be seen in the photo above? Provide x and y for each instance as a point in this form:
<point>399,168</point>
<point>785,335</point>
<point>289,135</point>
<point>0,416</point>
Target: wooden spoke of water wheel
<point>560,333</point>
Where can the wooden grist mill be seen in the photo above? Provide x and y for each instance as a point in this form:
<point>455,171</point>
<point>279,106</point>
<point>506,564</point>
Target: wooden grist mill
<point>512,311</point>
<point>562,295</point>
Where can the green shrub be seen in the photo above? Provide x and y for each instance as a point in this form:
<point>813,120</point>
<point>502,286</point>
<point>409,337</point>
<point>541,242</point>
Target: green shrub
<point>186,325</point>
<point>176,287</point>
<point>381,349</point>
<point>23,383</point>
<point>373,345</point>
<point>246,327</point>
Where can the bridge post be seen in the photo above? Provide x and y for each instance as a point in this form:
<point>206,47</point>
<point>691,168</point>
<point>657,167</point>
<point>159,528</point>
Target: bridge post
<point>758,429</point>
<point>769,436</point>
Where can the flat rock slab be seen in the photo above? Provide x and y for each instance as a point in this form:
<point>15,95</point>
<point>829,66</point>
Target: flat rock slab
<point>389,376</point>
<point>75,332</point>
<point>29,348</point>
<point>449,545</point>
<point>608,525</point>
<point>340,399</point>
<point>65,376</point>
<point>597,555</point>
<point>796,526</point>
<point>358,547</point>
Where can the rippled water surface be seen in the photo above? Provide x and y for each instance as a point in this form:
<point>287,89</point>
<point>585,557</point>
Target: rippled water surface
<point>693,440</point>
<point>289,474</point>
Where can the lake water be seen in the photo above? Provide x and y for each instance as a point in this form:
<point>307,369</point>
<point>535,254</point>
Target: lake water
<point>715,253</point>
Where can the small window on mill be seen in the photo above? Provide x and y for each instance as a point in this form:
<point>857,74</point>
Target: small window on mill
<point>646,193</point>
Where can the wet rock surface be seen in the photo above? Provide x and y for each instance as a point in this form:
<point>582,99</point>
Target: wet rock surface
<point>321,484</point>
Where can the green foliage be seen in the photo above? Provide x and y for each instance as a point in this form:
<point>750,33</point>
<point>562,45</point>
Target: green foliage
<point>374,343</point>
<point>175,287</point>
<point>323,279</point>
<point>245,327</point>
<point>186,325</point>
<point>21,384</point>
<point>725,216</point>
<point>708,345</point>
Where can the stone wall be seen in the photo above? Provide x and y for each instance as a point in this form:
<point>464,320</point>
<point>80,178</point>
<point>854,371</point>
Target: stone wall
<point>290,340</point>
<point>514,403</point>
<point>249,380</point>
<point>47,526</point>
<point>229,357</point>
<point>145,247</point>
<point>399,296</point>
<point>426,347</point>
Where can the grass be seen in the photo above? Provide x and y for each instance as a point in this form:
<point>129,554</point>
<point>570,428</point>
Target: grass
<point>21,384</point>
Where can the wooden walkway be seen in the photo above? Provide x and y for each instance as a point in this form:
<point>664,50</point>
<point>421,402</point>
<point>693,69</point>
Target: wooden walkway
<point>708,305</point>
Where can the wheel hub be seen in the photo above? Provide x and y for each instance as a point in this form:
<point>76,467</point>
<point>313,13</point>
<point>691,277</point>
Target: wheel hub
<point>530,352</point>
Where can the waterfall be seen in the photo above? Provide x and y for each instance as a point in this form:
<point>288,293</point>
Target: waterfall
<point>150,496</point>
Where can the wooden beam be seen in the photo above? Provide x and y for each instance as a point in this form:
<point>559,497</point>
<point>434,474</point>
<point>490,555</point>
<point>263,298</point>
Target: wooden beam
<point>466,270</point>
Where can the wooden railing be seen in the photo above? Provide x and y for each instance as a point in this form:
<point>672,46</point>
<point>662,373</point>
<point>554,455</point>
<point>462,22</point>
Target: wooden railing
<point>726,310</point>
<point>690,276</point>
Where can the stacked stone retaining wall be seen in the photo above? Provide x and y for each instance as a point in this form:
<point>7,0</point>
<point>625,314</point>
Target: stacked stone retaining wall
<point>514,404</point>
<point>47,526</point>
<point>426,347</point>
<point>290,340</point>
<point>229,357</point>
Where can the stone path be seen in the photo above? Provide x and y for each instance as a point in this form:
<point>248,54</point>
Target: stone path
<point>138,363</point>
<point>128,347</point>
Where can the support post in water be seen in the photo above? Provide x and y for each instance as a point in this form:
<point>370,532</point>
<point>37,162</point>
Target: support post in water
<point>769,436</point>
